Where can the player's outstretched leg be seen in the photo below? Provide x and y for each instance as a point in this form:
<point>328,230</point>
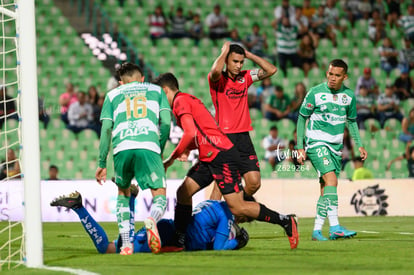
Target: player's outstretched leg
<point>94,230</point>
<point>288,222</point>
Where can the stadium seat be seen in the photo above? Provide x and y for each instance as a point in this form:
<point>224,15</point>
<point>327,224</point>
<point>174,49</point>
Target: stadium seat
<point>393,125</point>
<point>372,125</point>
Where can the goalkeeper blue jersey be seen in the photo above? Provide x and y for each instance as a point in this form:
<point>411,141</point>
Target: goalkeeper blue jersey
<point>209,230</point>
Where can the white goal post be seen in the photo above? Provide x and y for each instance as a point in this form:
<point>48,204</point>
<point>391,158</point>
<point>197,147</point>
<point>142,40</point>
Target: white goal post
<point>26,29</point>
<point>23,11</point>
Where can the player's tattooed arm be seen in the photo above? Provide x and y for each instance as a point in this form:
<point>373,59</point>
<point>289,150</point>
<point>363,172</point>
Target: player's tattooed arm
<point>262,74</point>
<point>266,68</point>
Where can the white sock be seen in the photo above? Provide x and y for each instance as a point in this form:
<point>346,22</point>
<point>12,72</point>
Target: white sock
<point>159,204</point>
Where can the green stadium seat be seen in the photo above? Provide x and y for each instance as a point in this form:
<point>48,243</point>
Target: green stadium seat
<point>372,125</point>
<point>393,125</point>
<point>407,105</point>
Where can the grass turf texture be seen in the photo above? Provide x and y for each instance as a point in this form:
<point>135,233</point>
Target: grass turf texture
<point>385,252</point>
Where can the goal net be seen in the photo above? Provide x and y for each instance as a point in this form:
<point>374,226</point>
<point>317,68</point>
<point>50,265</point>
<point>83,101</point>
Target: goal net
<point>19,187</point>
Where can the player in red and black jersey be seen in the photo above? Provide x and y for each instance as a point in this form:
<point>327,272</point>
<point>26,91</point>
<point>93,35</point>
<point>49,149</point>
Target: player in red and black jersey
<point>228,91</point>
<point>218,160</point>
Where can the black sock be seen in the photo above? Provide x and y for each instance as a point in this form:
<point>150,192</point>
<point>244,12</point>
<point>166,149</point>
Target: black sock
<point>182,217</point>
<point>270,216</point>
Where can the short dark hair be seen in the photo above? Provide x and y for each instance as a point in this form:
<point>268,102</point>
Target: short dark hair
<point>128,69</point>
<point>358,158</point>
<point>53,167</point>
<point>339,63</point>
<point>168,80</point>
<point>234,48</point>
<point>278,88</point>
<point>273,128</point>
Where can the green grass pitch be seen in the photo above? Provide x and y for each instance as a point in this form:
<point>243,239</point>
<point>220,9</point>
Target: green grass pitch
<point>384,245</point>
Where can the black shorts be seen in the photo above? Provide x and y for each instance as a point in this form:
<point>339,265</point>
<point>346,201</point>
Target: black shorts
<point>248,158</point>
<point>223,169</point>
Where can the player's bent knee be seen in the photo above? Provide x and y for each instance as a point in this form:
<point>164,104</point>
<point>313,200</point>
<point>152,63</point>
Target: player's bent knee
<point>188,188</point>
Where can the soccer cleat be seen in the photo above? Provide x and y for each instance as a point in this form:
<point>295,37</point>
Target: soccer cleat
<point>134,190</point>
<point>340,232</point>
<point>154,241</point>
<point>126,250</point>
<point>292,231</point>
<point>317,236</point>
<point>73,201</point>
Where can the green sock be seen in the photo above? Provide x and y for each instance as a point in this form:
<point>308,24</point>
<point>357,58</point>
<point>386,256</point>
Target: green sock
<point>159,203</point>
<point>320,214</point>
<point>123,217</point>
<point>331,200</point>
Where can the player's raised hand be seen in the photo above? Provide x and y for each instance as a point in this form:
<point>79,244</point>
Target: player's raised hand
<point>301,156</point>
<point>248,54</point>
<point>100,175</point>
<point>226,47</point>
<point>363,153</point>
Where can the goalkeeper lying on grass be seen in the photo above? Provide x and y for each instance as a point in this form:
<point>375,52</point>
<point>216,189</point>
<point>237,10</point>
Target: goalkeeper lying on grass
<point>212,228</point>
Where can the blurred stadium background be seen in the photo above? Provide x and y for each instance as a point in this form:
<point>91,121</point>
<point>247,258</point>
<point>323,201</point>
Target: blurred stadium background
<point>63,27</point>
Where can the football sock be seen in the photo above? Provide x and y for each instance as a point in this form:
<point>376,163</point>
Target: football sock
<point>320,214</point>
<point>94,230</point>
<point>131,218</point>
<point>331,200</point>
<point>182,217</point>
<point>270,216</point>
<point>123,218</point>
<point>159,203</point>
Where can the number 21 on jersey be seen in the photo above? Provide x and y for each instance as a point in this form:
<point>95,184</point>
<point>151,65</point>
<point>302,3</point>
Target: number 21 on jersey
<point>139,107</point>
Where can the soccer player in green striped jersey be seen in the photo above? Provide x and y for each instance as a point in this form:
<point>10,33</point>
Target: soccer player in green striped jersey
<point>329,107</point>
<point>137,116</point>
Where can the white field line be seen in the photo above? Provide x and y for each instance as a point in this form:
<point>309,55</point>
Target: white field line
<point>69,270</point>
<point>375,232</point>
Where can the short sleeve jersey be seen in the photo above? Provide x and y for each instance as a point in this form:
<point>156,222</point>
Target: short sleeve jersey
<point>134,110</point>
<point>328,112</point>
<point>230,101</point>
<point>210,139</point>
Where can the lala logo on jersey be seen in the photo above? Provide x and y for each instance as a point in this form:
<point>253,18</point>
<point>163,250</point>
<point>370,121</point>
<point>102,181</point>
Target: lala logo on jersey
<point>240,79</point>
<point>335,97</point>
<point>134,132</point>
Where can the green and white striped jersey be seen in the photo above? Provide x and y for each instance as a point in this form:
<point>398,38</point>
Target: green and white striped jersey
<point>286,39</point>
<point>134,109</point>
<point>328,112</point>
